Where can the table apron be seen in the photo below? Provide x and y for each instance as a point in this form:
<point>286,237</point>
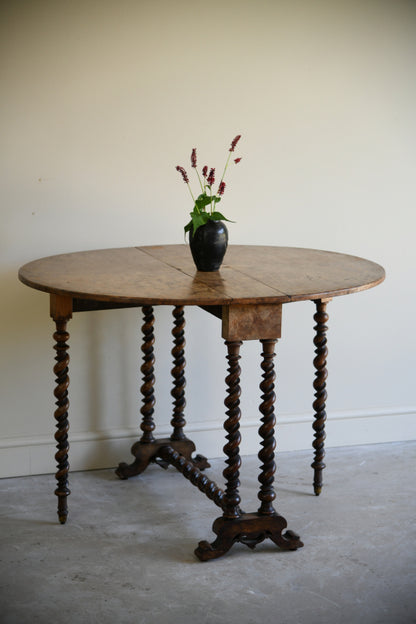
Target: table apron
<point>256,321</point>
<point>259,321</point>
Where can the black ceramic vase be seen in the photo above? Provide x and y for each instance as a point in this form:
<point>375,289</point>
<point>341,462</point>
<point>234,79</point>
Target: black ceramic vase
<point>208,245</point>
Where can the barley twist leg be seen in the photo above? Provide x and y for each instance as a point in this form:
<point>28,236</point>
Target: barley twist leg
<point>178,392</point>
<point>61,416</point>
<point>232,426</point>
<point>146,450</point>
<point>234,525</point>
<point>319,384</point>
<point>143,449</point>
<point>266,455</point>
<point>147,389</point>
<point>231,497</point>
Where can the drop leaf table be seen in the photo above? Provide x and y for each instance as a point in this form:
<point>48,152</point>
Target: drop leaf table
<point>247,295</point>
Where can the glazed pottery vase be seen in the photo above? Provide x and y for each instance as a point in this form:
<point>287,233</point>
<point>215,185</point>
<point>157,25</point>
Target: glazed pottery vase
<point>208,245</point>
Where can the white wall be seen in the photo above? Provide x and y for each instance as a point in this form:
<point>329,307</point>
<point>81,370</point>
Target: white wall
<point>102,99</point>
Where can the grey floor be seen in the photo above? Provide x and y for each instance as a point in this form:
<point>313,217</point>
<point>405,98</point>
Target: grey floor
<point>126,553</point>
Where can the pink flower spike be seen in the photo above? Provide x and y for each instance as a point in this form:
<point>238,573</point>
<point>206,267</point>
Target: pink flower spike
<point>234,142</point>
<point>183,173</point>
<point>237,160</point>
<point>205,171</point>
<point>193,157</point>
<point>211,177</point>
<point>221,188</point>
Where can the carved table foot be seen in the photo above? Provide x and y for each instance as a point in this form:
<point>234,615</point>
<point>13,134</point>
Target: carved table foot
<point>200,462</point>
<point>249,529</point>
<point>147,452</point>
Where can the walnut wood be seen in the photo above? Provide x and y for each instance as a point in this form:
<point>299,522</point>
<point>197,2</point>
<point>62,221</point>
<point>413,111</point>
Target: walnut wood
<point>60,369</point>
<point>89,305</point>
<point>192,471</point>
<point>178,421</point>
<point>214,310</point>
<point>166,275</point>
<point>251,321</point>
<point>247,294</point>
<point>251,528</point>
<point>147,389</point>
<point>148,452</point>
<point>60,307</point>
<point>232,427</point>
<point>145,453</point>
<point>248,529</point>
<point>319,384</point>
<point>266,432</point>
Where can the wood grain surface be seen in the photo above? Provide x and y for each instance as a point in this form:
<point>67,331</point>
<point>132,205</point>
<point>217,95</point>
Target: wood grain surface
<point>167,275</point>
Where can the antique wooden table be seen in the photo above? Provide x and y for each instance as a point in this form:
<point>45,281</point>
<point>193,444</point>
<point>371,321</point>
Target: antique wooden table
<point>247,294</point>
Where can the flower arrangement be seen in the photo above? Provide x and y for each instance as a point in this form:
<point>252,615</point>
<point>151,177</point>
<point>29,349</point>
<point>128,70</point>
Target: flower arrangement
<point>205,204</point>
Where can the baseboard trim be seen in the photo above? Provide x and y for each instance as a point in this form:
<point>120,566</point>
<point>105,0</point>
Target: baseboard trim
<point>21,456</point>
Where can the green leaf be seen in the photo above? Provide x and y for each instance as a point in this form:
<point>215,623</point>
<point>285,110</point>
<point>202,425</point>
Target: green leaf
<point>198,220</point>
<point>202,201</point>
<point>203,197</point>
<point>217,216</point>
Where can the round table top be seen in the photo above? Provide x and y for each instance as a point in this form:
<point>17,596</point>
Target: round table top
<point>166,274</point>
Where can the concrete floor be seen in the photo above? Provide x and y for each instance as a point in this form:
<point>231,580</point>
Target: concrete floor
<point>126,552</point>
